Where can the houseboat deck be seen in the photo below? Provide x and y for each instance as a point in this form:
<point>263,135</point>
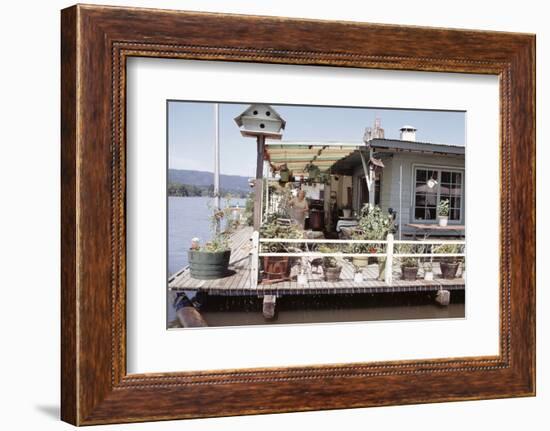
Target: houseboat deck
<point>238,282</point>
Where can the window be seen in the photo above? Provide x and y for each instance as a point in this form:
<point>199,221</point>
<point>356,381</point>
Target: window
<point>434,185</point>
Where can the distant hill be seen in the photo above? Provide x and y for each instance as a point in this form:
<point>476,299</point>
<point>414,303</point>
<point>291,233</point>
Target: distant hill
<point>234,184</point>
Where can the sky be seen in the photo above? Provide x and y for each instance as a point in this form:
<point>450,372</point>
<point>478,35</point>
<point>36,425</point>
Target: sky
<point>191,131</point>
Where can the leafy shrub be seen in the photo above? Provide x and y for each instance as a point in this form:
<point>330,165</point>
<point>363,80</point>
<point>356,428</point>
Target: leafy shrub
<point>328,261</point>
<point>274,228</point>
<point>443,207</point>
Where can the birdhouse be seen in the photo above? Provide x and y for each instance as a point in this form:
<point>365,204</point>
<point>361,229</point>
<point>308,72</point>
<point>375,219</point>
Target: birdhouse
<point>261,120</point>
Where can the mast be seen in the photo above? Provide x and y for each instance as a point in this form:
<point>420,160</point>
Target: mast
<point>217,159</point>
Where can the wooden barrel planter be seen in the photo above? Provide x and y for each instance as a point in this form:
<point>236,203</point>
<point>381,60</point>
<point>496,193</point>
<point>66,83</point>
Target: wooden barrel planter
<point>449,269</point>
<point>409,272</point>
<point>276,268</point>
<point>205,265</point>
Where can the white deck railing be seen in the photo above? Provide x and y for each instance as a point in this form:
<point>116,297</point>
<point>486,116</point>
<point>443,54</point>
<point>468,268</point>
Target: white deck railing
<point>389,253</point>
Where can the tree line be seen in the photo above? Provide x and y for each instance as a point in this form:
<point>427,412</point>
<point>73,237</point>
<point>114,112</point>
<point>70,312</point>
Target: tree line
<point>191,190</point>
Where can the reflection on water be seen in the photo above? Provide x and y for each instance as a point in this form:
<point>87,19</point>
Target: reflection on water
<point>237,311</point>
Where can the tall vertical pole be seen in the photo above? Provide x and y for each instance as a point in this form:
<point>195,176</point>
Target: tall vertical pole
<point>265,209</point>
<point>372,181</point>
<point>400,197</point>
<point>258,188</point>
<point>217,160</point>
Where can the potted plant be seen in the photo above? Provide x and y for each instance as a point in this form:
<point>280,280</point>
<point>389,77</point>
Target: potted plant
<point>358,274</point>
<point>449,265</point>
<point>363,261</point>
<point>443,212</point>
<point>428,271</point>
<point>301,271</point>
<point>276,268</point>
<point>409,264</point>
<point>211,261</point>
<point>313,172</point>
<point>331,268</point>
<point>284,173</point>
<point>373,225</point>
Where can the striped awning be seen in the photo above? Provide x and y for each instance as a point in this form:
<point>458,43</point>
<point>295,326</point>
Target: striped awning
<point>299,155</point>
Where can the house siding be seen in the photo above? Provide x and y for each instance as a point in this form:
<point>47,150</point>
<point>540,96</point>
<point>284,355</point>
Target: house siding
<point>389,186</point>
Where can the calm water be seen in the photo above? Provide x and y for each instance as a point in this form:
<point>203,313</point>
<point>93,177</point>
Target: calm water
<point>189,217</point>
<point>332,308</point>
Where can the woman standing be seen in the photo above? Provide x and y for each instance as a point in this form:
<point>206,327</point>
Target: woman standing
<point>299,208</point>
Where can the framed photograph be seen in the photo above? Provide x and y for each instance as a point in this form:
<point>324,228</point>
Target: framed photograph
<point>269,215</point>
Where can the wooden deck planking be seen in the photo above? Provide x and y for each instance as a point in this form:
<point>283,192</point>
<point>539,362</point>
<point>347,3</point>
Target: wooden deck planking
<point>239,282</point>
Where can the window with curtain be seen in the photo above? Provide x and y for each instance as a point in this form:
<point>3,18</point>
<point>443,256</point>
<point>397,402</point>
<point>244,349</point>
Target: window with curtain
<point>434,185</point>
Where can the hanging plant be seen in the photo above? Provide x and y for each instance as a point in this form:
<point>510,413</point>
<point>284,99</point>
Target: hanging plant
<point>313,172</point>
<point>284,173</point>
<point>324,178</point>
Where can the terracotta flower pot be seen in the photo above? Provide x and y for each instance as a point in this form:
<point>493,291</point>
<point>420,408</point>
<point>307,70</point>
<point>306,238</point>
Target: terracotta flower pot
<point>449,269</point>
<point>332,273</point>
<point>409,272</point>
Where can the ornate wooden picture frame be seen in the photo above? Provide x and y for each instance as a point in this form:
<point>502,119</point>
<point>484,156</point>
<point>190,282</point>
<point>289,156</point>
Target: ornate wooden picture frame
<point>96,42</point>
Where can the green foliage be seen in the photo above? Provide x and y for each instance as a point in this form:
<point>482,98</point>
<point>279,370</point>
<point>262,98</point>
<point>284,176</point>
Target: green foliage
<point>249,209</point>
<point>374,224</point>
<point>364,248</point>
<point>284,195</point>
<point>219,243</point>
<point>220,239</point>
<point>273,228</point>
<point>443,207</point>
<point>191,190</point>
<point>313,172</point>
<point>449,249</point>
<point>328,261</point>
<point>409,262</point>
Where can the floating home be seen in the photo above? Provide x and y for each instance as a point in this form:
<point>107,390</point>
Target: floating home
<point>410,178</point>
<point>406,178</point>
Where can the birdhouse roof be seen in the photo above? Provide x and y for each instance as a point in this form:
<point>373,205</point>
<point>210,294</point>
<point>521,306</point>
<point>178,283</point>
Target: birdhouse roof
<point>249,112</point>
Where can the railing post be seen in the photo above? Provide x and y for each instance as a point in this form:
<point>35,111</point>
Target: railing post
<point>254,259</point>
<point>388,271</point>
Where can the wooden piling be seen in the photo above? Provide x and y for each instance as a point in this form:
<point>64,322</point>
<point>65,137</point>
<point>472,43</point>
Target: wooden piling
<point>443,297</point>
<point>269,306</point>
